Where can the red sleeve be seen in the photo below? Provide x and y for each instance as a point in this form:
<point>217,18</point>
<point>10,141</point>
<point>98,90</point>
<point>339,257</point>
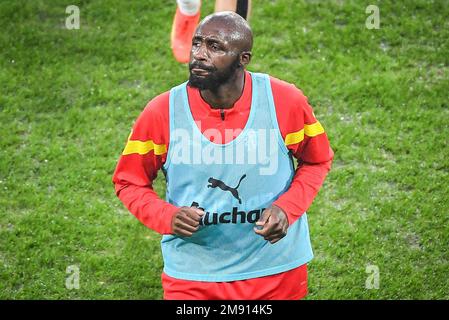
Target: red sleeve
<point>305,137</point>
<point>137,168</point>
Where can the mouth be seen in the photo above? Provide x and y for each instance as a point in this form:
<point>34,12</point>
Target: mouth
<point>200,72</point>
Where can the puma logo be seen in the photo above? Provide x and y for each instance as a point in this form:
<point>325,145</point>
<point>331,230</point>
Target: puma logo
<point>218,183</point>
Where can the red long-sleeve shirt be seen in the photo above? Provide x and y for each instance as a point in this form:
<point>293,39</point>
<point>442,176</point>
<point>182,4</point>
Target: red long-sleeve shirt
<point>147,146</point>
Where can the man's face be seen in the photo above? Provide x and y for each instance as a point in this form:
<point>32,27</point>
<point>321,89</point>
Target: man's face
<point>213,59</point>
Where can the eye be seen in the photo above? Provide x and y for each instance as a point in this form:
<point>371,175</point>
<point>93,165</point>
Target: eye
<point>196,43</point>
<point>215,46</point>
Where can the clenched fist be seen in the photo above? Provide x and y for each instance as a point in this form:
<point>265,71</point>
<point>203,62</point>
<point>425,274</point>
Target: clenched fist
<point>186,221</point>
<point>274,224</point>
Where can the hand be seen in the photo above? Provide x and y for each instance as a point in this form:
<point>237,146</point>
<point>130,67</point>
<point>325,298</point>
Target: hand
<point>274,224</point>
<point>186,221</point>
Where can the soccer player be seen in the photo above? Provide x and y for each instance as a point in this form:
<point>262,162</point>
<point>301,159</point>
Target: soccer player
<point>186,19</point>
<point>234,224</point>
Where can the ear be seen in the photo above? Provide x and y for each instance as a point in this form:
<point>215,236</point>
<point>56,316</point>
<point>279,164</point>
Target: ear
<point>245,58</point>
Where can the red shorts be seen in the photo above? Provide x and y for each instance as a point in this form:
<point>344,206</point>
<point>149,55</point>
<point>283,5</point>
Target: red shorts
<point>289,285</point>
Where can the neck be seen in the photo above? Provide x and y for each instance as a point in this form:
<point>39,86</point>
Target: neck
<point>227,93</point>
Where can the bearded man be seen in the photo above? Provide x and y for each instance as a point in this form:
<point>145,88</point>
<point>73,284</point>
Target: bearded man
<point>234,220</point>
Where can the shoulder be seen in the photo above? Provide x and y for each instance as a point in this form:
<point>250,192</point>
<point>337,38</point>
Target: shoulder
<point>153,120</point>
<point>288,93</point>
<point>293,111</point>
<point>290,101</point>
<point>156,108</point>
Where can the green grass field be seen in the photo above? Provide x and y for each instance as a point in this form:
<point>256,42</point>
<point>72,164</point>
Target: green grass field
<point>69,98</point>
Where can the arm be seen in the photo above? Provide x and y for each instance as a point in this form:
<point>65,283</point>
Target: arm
<point>308,179</point>
<point>305,138</point>
<point>305,185</point>
<point>143,156</point>
<point>314,155</point>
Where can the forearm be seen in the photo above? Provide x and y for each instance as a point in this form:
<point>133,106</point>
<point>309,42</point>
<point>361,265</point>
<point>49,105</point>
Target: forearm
<point>147,207</point>
<point>305,185</point>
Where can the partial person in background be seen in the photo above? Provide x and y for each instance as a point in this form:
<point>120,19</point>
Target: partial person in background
<point>187,17</point>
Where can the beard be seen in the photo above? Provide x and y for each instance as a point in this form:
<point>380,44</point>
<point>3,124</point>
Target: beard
<point>215,78</point>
